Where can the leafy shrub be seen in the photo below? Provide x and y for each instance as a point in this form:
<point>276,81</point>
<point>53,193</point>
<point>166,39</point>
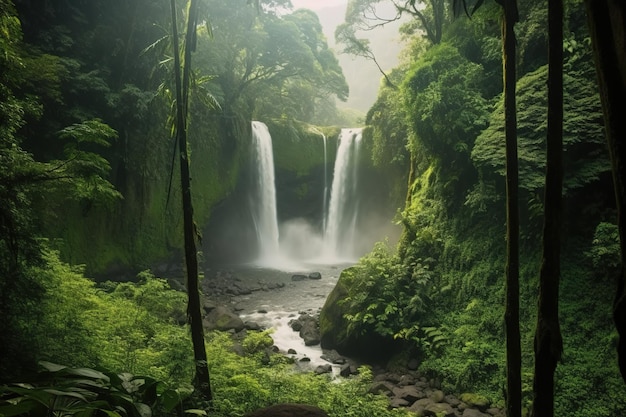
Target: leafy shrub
<point>243,384</point>
<point>58,389</point>
<point>605,251</point>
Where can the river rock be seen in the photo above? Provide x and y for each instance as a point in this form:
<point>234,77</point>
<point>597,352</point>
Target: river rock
<point>315,275</point>
<point>496,412</point>
<point>308,328</point>
<point>298,277</point>
<point>472,412</point>
<point>382,387</point>
<point>208,305</point>
<point>439,410</point>
<point>221,318</point>
<point>408,393</point>
<point>475,401</point>
<point>398,403</point>
<point>346,370</point>
<point>437,396</point>
<point>323,369</point>
<point>452,400</point>
<point>252,325</point>
<point>333,356</point>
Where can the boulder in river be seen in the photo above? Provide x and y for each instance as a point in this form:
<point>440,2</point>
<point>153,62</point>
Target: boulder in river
<point>308,328</point>
<point>315,275</point>
<point>298,277</point>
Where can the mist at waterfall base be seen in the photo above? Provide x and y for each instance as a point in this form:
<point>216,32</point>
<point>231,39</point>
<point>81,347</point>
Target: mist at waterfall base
<point>296,242</point>
<point>291,217</point>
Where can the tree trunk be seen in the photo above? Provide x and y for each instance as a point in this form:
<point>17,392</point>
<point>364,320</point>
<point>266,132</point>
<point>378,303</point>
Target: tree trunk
<point>202,380</point>
<point>511,315</point>
<point>548,341</point>
<point>607,26</point>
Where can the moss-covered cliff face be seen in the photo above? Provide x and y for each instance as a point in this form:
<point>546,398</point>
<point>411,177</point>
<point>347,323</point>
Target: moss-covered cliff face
<point>145,227</point>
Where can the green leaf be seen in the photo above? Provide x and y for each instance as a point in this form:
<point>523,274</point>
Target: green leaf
<point>196,412</point>
<point>88,373</point>
<point>60,393</point>
<point>170,399</point>
<point>52,367</point>
<point>21,408</point>
<point>143,409</point>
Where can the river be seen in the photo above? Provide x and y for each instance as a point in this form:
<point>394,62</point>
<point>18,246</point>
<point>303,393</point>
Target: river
<point>275,308</point>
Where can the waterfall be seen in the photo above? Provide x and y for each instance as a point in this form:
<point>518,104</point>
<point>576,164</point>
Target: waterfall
<point>340,231</point>
<point>264,201</point>
<point>325,197</point>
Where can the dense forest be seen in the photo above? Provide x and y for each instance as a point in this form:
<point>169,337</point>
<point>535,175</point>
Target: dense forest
<point>488,141</point>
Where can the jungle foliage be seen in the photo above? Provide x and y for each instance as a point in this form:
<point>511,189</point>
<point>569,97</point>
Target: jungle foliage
<point>441,289</point>
<point>131,355</point>
<point>85,122</point>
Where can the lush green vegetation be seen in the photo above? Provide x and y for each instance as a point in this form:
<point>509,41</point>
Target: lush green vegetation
<point>86,163</point>
<point>442,289</point>
<point>136,332</point>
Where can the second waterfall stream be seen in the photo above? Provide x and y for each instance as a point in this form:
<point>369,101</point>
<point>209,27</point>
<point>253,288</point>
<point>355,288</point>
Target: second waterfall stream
<point>340,219</point>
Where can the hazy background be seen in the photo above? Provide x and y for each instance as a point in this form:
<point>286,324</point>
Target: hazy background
<point>362,75</point>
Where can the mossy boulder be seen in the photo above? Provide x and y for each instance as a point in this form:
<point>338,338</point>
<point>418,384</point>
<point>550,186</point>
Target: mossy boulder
<point>335,332</point>
<point>475,400</point>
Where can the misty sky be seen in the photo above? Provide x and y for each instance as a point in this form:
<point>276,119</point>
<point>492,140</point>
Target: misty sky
<point>316,4</point>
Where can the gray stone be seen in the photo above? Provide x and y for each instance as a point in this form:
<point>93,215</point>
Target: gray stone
<point>437,396</point>
<point>439,410</point>
<point>423,402</point>
<point>208,305</point>
<point>472,412</point>
<point>452,400</point>
<point>252,325</point>
<point>315,275</point>
<point>381,387</point>
<point>323,369</point>
<point>309,331</point>
<point>406,380</point>
<point>298,277</point>
<point>221,318</point>
<point>409,393</point>
<point>398,403</point>
<point>346,370</point>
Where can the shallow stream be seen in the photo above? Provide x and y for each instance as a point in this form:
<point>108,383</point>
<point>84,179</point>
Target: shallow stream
<point>276,308</point>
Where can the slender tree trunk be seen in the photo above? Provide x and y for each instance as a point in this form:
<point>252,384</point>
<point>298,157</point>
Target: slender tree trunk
<point>548,341</point>
<point>607,25</point>
<point>202,380</point>
<point>511,314</point>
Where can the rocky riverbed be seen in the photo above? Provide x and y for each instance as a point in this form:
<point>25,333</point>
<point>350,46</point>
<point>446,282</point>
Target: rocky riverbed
<point>254,299</point>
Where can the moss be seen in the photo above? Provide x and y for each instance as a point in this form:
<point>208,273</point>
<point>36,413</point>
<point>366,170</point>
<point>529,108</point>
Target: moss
<point>299,147</point>
<point>475,400</point>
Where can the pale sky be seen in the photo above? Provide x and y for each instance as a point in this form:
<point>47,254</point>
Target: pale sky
<point>316,4</point>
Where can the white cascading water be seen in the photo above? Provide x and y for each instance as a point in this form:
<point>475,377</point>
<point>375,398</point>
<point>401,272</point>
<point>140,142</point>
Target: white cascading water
<point>325,199</point>
<point>264,205</point>
<point>340,231</point>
